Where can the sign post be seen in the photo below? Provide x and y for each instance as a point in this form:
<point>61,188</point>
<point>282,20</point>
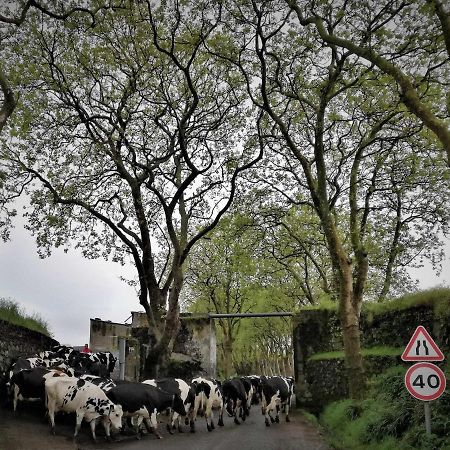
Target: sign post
<point>424,380</point>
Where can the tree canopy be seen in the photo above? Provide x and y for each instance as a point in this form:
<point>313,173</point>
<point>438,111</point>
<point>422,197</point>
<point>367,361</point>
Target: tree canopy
<point>133,126</point>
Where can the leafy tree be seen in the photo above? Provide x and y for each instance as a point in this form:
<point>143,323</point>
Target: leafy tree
<point>222,277</point>
<point>12,16</point>
<point>409,41</point>
<point>126,139</point>
<point>334,126</point>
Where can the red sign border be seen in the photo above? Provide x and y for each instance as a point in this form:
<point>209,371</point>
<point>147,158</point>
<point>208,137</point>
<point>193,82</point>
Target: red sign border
<point>425,398</point>
<point>420,328</point>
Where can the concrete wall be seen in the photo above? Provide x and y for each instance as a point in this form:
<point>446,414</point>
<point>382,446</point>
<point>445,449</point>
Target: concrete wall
<point>194,351</point>
<point>320,380</point>
<point>105,335</point>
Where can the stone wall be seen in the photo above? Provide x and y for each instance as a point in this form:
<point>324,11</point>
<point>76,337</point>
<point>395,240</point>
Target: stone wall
<point>320,380</point>
<point>18,341</point>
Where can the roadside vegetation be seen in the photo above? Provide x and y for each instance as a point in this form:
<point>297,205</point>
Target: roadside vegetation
<point>10,311</point>
<point>389,418</point>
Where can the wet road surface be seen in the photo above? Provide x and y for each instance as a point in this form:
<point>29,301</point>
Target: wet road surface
<point>29,431</point>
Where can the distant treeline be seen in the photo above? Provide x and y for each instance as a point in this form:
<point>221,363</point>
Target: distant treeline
<point>10,311</point>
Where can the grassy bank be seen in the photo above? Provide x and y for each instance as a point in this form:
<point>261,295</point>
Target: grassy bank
<point>10,311</point>
<point>390,418</point>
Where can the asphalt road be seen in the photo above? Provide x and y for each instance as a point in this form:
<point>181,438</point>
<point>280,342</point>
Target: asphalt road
<point>29,431</point>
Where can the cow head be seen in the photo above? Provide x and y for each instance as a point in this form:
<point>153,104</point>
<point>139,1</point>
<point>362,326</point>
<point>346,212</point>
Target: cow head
<point>115,415</point>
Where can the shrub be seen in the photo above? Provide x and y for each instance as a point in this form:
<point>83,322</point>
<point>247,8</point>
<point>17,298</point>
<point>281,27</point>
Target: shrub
<point>389,418</point>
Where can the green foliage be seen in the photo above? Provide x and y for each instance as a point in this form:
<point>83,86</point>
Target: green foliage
<point>10,311</point>
<point>373,351</point>
<point>389,418</point>
<point>439,297</point>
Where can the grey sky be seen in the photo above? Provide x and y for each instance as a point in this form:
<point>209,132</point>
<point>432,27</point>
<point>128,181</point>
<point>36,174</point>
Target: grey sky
<point>67,290</point>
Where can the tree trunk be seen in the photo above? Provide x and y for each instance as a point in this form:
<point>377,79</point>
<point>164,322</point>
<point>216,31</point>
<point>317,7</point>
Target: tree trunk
<point>228,368</point>
<point>349,317</point>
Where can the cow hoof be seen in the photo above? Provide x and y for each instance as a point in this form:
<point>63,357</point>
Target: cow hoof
<point>277,419</point>
<point>287,419</point>
<point>192,430</point>
<point>209,428</point>
<point>186,421</point>
<point>220,422</point>
<point>272,420</point>
<point>169,429</point>
<point>267,423</point>
<point>236,421</point>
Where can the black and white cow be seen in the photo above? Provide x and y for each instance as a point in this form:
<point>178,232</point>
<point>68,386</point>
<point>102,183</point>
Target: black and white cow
<point>179,387</point>
<point>235,399</point>
<point>275,392</point>
<point>208,396</point>
<point>105,384</point>
<point>255,381</point>
<point>249,392</point>
<point>146,401</point>
<point>18,365</point>
<point>29,384</point>
<point>25,363</point>
<point>100,363</point>
<point>57,351</point>
<point>85,399</point>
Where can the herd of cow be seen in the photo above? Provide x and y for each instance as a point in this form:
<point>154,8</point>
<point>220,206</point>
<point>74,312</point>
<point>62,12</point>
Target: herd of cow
<point>73,382</point>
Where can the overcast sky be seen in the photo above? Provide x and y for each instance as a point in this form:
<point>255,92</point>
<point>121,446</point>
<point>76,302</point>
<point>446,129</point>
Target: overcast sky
<point>67,290</point>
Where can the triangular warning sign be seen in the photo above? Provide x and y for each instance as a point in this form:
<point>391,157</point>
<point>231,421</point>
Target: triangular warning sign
<point>421,347</point>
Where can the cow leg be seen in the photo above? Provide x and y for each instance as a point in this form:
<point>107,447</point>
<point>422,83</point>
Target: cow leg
<point>192,422</point>
<point>15,397</point>
<point>152,424</point>
<point>79,419</point>
<point>136,425</point>
<point>277,417</point>
<point>172,419</point>
<point>209,416</point>
<point>220,422</point>
<point>51,415</point>
<point>106,426</point>
<point>287,412</point>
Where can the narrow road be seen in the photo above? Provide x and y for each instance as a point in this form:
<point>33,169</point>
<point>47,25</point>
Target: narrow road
<point>28,430</point>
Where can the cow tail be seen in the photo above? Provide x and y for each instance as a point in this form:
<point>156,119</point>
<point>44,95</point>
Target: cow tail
<point>202,408</point>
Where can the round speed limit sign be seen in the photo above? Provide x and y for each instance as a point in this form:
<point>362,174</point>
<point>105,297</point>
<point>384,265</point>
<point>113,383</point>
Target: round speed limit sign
<point>425,381</point>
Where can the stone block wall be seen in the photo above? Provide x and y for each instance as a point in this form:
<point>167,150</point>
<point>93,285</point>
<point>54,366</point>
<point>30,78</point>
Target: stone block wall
<point>18,341</point>
<point>323,380</point>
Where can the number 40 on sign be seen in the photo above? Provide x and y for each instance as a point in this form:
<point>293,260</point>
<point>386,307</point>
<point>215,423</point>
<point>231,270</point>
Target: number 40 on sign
<point>425,381</point>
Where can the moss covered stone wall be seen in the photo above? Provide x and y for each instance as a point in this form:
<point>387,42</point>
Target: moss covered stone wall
<point>385,331</point>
